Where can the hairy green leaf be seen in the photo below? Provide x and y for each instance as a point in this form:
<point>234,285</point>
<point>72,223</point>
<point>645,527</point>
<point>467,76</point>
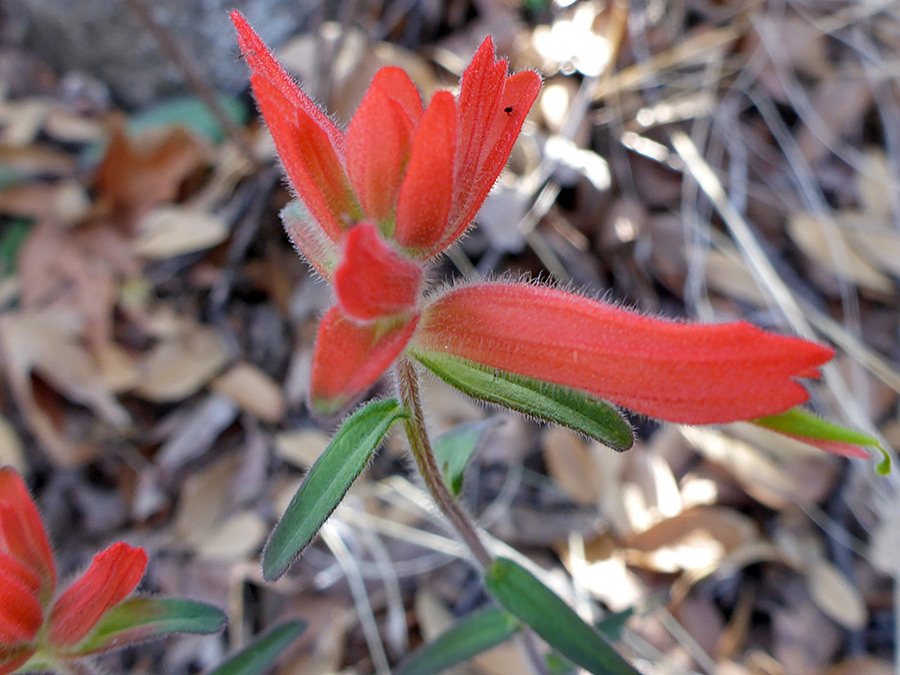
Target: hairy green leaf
<point>262,652</point>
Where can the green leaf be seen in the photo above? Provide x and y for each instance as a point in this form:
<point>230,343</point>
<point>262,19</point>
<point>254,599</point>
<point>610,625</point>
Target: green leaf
<point>569,407</point>
<point>471,636</point>
<point>138,619</point>
<point>453,450</point>
<point>327,482</point>
<point>12,237</point>
<point>256,657</point>
<point>801,422</point>
<point>611,626</point>
<point>192,113</point>
<point>536,605</point>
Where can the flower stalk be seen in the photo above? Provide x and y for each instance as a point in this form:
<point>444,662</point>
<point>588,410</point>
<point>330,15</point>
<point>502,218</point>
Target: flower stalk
<point>420,444</point>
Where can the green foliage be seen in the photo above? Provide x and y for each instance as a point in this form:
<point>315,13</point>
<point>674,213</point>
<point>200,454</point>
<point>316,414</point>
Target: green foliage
<point>536,605</point>
<point>453,450</point>
<point>568,407</point>
<point>471,636</point>
<point>262,652</point>
<point>327,482</point>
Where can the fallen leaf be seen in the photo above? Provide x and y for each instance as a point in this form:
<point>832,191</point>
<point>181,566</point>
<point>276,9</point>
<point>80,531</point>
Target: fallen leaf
<point>253,390</point>
<point>301,447</point>
<point>236,537</point>
<point>571,465</point>
<point>10,447</point>
<point>836,596</point>
<point>167,231</point>
<point>176,368</point>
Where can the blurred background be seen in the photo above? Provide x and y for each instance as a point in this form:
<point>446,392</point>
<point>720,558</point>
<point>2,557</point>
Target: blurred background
<point>703,159</point>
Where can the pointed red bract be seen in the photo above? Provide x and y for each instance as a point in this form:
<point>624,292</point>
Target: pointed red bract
<point>310,145</point>
<point>350,356</point>
<point>22,533</point>
<point>378,144</point>
<point>373,280</point>
<point>492,108</point>
<point>20,612</point>
<point>692,374</point>
<point>423,205</point>
<point>111,577</point>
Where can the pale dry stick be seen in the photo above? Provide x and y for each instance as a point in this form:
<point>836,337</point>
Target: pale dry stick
<point>196,80</point>
<point>336,545</point>
<point>398,638</point>
<point>686,640</point>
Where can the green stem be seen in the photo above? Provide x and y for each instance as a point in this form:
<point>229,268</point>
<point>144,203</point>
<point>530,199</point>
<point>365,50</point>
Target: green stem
<point>419,443</point>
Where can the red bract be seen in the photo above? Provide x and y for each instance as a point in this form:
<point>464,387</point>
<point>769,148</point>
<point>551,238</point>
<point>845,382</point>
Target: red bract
<point>403,184</point>
<point>30,619</point>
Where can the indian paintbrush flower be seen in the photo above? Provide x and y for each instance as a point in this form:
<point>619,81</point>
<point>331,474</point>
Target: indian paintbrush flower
<point>41,629</point>
<point>378,202</point>
<point>32,617</point>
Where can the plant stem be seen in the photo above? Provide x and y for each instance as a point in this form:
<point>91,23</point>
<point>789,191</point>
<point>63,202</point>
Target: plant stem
<point>419,443</point>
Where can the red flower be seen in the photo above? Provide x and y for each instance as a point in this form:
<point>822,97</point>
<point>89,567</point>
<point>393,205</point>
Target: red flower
<point>378,203</point>
<point>30,619</point>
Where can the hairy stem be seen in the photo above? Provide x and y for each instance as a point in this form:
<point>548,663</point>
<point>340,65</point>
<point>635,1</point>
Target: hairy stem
<point>419,443</point>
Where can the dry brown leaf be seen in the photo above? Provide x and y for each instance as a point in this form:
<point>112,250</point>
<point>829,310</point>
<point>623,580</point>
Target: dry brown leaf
<point>205,497</point>
<point>253,390</point>
<point>886,543</point>
<point>20,121</point>
<point>136,175</point>
<point>78,268</point>
<point>302,447</point>
<point>166,231</point>
<point>176,368</point>
<point>37,160</point>
<point>874,185</point>
<point>65,202</point>
<point>10,447</point>
<point>836,596</point>
<point>571,465</point>
<point>861,665</point>
<point>826,244</point>
<point>693,540</point>
<point>48,344</point>
<point>236,537</point>
<point>839,104</point>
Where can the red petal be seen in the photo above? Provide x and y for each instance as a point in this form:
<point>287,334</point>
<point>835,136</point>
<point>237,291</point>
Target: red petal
<point>373,280</point>
<point>349,357</point>
<point>395,84</point>
<point>21,615</point>
<point>423,205</point>
<point>492,109</point>
<point>22,533</point>
<point>309,158</point>
<point>378,145</point>
<point>693,374</point>
<point>13,657</point>
<point>112,576</point>
<point>309,143</point>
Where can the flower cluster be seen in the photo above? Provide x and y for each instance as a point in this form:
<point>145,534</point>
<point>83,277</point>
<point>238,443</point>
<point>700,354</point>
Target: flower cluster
<point>378,202</point>
<point>33,619</point>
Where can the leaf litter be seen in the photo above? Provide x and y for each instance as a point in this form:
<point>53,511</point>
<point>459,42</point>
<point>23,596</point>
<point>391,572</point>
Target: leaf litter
<point>156,330</point>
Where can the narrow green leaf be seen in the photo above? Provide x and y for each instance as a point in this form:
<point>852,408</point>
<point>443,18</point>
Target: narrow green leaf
<point>807,425</point>
<point>800,422</point>
<point>327,482</point>
<point>536,605</point>
<point>471,636</point>
<point>611,626</point>
<point>137,619</point>
<point>12,237</point>
<point>453,450</point>
<point>256,657</point>
<point>551,402</point>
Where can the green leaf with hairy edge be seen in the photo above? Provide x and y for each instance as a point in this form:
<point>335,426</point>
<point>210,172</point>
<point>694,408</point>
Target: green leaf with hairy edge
<point>327,482</point>
<point>137,619</point>
<point>453,450</point>
<point>469,637</point>
<point>801,422</point>
<point>259,655</point>
<point>536,605</point>
<point>551,402</point>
